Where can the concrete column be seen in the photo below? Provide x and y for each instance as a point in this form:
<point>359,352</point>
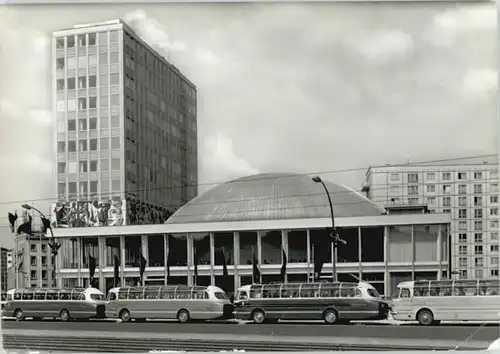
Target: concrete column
<point>439,252</point>
<point>386,261</point>
<point>122,260</point>
<point>212,258</point>
<point>412,253</point>
<point>145,254</point>
<point>310,270</point>
<point>101,244</point>
<point>190,262</point>
<point>165,257</point>
<point>360,253</point>
<point>237,280</point>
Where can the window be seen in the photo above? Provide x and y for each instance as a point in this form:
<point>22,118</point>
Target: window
<point>92,60</point>
<point>82,41</point>
<point>93,187</point>
<point>82,123</point>
<point>92,102</point>
<point>82,103</point>
<point>83,166</point>
<point>92,81</point>
<point>82,82</point>
<point>114,79</point>
<point>494,199</point>
<point>494,272</point>
<point>93,144</point>
<point>462,249</point>
<point>72,167</point>
<point>105,164</point>
<point>412,190</point>
<point>84,188</point>
<point>115,164</point>
<point>478,175</point>
<point>93,166</point>
<point>494,260</point>
<point>462,175</point>
<point>114,57</point>
<point>60,64</point>
<point>493,248</point>
<point>113,36</point>
<point>462,237</point>
<point>478,188</point>
<point>431,188</point>
<point>60,43</point>
<point>115,143</point>
<point>72,63</point>
<point>103,59</point>
<point>446,201</point>
<point>494,187</point>
<point>71,125</point>
<point>446,189</point>
<point>70,41</point>
<point>72,188</point>
<point>61,146</point>
<point>431,200</point>
<point>493,211</point>
<point>103,80</point>
<point>462,201</point>
<point>478,261</point>
<point>462,213</point>
<point>462,189</point>
<point>71,105</point>
<point>103,101</point>
<point>463,274</point>
<point>71,83</point>
<point>478,237</point>
<point>115,100</point>
<point>493,224</point>
<point>494,236</point>
<point>92,40</point>
<point>60,84</point>
<point>82,62</point>
<point>71,146</point>
<point>478,249</point>
<point>394,176</point>
<point>462,261</point>
<point>115,185</point>
<point>479,273</point>
<point>431,176</point>
<point>44,258</point>
<point>61,188</point>
<point>93,123</point>
<point>462,225</point>
<point>115,123</point>
<point>104,143</point>
<point>478,225</point>
<point>412,201</point>
<point>82,145</point>
<point>61,167</point>
<point>478,201</point>
<point>446,176</point>
<point>478,213</point>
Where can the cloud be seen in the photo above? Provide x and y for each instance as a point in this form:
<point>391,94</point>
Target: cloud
<point>220,163</point>
<point>450,25</point>
<point>480,83</point>
<point>384,46</point>
<point>152,32</point>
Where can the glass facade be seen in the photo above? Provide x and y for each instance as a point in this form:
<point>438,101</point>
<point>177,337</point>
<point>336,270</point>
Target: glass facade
<point>368,253</point>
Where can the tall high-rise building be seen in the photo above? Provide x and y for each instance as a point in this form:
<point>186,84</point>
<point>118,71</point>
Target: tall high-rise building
<point>126,136</point>
<point>4,276</point>
<point>468,191</point>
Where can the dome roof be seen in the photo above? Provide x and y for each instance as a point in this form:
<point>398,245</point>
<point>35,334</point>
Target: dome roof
<point>273,196</point>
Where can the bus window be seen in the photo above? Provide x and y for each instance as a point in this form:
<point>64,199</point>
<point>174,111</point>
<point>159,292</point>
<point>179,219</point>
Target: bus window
<point>347,291</point>
<point>64,295</point>
<point>18,295</point>
<point>271,291</point>
<point>329,290</point>
<point>123,294</point>
<point>40,295</point>
<point>152,293</point>
<point>95,297</point>
<point>28,295</point>
<point>52,295</point>
<point>4,297</point>
<point>183,294</point>
<point>290,290</point>
<point>9,297</point>
<point>405,293</point>
<point>256,292</point>
<point>112,296</point>
<point>135,294</point>
<point>467,290</point>
<point>167,294</point>
<point>421,290</point>
<point>77,296</point>
<point>309,290</point>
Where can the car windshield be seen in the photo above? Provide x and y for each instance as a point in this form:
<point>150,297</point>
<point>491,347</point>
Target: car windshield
<point>373,293</point>
<point>220,296</point>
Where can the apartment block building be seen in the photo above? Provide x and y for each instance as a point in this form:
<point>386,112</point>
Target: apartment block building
<point>469,192</point>
<point>126,136</point>
<point>33,264</point>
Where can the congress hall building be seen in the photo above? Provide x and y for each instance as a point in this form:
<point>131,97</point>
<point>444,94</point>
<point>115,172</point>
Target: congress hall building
<point>264,214</point>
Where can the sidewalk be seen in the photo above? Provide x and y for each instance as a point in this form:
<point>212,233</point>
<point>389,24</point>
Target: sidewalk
<point>397,342</point>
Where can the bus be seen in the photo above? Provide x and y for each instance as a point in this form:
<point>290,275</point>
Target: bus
<point>65,303</point>
<point>332,302</point>
<point>431,301</point>
<point>181,302</point>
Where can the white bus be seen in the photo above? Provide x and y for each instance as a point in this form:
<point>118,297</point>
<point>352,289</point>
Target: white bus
<point>181,302</point>
<point>65,304</point>
<point>331,302</point>
<point>430,302</point>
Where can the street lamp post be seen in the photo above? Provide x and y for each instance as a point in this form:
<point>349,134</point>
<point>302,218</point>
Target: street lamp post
<point>334,234</point>
<point>52,243</point>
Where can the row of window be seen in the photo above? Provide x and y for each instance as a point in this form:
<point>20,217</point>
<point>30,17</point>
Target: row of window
<point>34,275</point>
<point>413,177</point>
<point>446,189</point>
<point>82,103</point>
<point>478,249</point>
<point>478,237</point>
<point>83,40</point>
<point>90,81</point>
<point>106,60</point>
<point>88,145</point>
<point>478,225</point>
<point>478,261</point>
<point>89,187</point>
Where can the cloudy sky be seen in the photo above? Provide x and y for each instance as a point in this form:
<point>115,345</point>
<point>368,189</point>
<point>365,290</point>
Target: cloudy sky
<point>282,87</point>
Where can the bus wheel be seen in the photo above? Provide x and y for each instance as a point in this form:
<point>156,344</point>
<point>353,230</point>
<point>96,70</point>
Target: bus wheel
<point>125,316</point>
<point>330,316</point>
<point>64,315</point>
<point>258,316</point>
<point>425,317</point>
<point>18,314</point>
<point>183,316</point>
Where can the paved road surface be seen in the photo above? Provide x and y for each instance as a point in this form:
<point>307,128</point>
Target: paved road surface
<point>443,332</point>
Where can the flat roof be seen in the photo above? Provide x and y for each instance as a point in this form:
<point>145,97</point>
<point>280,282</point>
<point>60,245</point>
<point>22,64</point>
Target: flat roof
<point>261,225</point>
